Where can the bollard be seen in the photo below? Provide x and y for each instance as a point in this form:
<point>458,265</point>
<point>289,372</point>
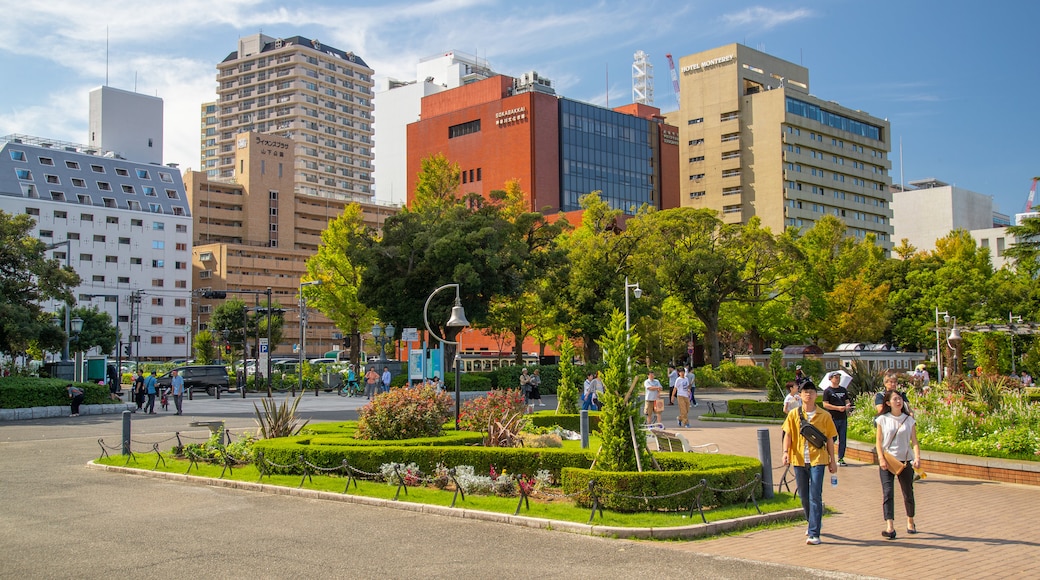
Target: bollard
<point>126,432</point>
<point>584,428</point>
<point>766,458</point>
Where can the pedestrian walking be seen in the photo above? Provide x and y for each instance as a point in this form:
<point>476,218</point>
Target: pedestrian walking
<point>177,389</point>
<point>535,383</point>
<point>810,456</point>
<point>151,390</point>
<point>672,376</point>
<point>588,393</point>
<point>897,449</point>
<point>652,394</point>
<point>836,400</point>
<point>525,388</point>
<point>76,394</point>
<point>138,389</point>
<point>386,378</point>
<point>371,383</point>
<point>682,394</point>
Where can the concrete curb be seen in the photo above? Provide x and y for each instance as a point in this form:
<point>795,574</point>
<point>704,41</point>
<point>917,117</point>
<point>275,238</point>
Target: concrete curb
<point>52,412</point>
<point>669,533</point>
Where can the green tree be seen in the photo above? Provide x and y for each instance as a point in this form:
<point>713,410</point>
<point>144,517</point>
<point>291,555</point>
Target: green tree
<point>619,417</point>
<point>232,316</point>
<point>205,352</point>
<point>706,262</point>
<point>589,285</point>
<point>518,309</point>
<point>98,330</point>
<point>568,391</point>
<point>339,265</point>
<point>1026,249</point>
<point>27,279</point>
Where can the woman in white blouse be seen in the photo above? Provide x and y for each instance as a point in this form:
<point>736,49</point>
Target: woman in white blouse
<point>897,434</point>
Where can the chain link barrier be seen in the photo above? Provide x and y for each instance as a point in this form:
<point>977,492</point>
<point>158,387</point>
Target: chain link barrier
<point>266,467</point>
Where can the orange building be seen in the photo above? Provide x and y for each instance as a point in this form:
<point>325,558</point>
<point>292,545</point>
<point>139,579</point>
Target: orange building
<point>505,128</point>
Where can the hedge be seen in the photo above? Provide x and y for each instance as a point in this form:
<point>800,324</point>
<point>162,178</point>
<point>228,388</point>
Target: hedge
<point>750,408</point>
<point>623,491</point>
<point>17,392</point>
<point>287,451</point>
<point>570,422</point>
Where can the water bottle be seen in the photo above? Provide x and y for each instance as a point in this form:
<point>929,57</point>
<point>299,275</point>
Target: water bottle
<point>834,481</point>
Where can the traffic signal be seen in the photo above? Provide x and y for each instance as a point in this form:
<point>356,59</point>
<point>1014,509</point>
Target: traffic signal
<point>214,294</point>
<point>346,341</point>
<point>227,349</point>
<point>126,350</point>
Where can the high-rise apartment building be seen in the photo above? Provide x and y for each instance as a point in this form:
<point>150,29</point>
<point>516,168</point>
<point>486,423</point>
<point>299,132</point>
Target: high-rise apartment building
<point>318,96</point>
<point>755,142</point>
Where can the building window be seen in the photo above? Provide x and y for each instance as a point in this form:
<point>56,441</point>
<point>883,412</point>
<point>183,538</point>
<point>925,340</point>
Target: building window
<point>696,159</point>
<point>111,259</point>
<point>157,301</point>
<point>165,177</point>
<point>180,302</point>
<point>52,179</point>
<point>158,245</point>
<point>180,340</point>
<point>17,155</point>
<point>24,174</point>
<point>72,164</point>
<point>86,217</point>
<point>181,247</point>
<point>205,274</point>
<point>180,283</point>
<point>60,215</point>
<point>86,257</point>
<point>1000,247</point>
<point>46,161</point>
<point>98,278</point>
<point>112,220</point>
<point>143,173</point>
<point>129,189</point>
<point>97,168</point>
<point>158,282</point>
<point>104,186</point>
<point>46,234</point>
<point>157,321</point>
<point>135,261</point>
<point>180,265</point>
<point>122,172</point>
<point>158,263</point>
<point>158,226</point>
<point>156,339</point>
<point>99,238</point>
<point>124,241</point>
<point>731,209</point>
<point>123,280</point>
<point>464,129</point>
<point>696,194</point>
<point>695,121</point>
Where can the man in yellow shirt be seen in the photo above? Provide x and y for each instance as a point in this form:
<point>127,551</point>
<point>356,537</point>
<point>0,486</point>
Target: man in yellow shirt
<point>809,461</point>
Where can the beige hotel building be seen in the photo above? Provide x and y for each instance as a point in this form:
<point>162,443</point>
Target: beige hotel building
<point>754,141</point>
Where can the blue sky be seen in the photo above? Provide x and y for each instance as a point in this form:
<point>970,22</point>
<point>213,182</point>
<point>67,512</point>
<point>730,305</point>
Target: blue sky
<point>958,80</point>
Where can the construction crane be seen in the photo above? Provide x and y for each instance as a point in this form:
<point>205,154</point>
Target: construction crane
<point>1032,195</point>
<point>675,82</point>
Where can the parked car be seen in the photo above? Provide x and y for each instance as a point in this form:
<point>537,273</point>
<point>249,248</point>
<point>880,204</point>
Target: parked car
<point>207,378</point>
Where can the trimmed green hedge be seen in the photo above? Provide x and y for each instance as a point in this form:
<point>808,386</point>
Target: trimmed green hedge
<point>749,408</point>
<point>23,392</point>
<point>287,451</point>
<point>622,491</point>
<point>570,422</point>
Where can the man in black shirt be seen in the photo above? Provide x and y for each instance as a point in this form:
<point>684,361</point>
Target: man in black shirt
<point>836,400</point>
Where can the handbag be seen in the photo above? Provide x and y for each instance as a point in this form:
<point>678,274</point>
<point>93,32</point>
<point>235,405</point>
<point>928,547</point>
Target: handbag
<point>895,466</point>
<point>810,432</point>
<point>659,405</point>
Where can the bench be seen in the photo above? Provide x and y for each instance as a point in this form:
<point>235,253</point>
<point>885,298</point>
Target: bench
<point>668,441</point>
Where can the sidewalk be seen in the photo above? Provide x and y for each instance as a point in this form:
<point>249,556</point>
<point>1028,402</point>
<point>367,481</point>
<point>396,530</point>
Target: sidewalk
<point>967,528</point>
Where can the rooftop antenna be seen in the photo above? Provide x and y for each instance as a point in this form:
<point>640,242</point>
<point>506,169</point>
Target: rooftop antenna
<point>106,56</point>
<point>606,76</point>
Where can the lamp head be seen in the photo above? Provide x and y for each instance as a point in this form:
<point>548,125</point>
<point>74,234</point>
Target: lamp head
<point>458,315</point>
<point>390,330</point>
<point>946,318</point>
<point>955,335</point>
<point>76,325</point>
<point>638,292</point>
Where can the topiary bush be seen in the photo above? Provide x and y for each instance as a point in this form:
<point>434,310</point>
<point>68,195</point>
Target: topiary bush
<point>569,422</point>
<point>744,376</point>
<point>749,408</point>
<point>404,414</point>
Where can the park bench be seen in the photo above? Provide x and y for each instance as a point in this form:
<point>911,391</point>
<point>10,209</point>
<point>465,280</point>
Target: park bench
<point>669,441</point>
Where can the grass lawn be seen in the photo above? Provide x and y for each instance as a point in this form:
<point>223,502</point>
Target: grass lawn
<point>541,505</point>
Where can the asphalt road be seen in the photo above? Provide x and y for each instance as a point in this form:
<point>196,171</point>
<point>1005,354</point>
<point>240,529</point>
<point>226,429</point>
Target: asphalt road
<point>60,519</point>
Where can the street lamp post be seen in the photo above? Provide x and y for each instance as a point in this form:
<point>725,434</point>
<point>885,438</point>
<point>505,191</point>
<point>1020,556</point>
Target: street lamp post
<point>1011,326</point>
<point>938,344</point>
<point>76,326</point>
<point>68,306</point>
<point>457,319</point>
<point>383,336</point>
<point>303,331</point>
<point>638,292</point>
<point>953,340</point>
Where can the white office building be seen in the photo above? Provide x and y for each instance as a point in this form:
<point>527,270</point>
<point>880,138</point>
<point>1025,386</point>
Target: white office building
<point>128,124</point>
<point>129,230</point>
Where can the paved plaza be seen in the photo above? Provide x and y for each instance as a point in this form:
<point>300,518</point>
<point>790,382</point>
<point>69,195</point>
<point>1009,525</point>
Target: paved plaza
<point>61,519</point>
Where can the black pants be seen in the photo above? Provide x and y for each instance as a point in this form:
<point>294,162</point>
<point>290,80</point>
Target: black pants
<point>150,405</point>
<point>906,485</point>
<point>76,401</point>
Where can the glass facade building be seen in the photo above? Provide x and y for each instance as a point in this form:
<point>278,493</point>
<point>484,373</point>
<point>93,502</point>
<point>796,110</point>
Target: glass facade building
<point>607,151</point>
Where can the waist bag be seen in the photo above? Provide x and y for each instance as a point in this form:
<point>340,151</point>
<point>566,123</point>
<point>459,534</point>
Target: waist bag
<point>813,435</point>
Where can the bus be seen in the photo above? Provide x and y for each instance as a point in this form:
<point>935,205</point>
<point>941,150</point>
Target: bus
<point>486,361</point>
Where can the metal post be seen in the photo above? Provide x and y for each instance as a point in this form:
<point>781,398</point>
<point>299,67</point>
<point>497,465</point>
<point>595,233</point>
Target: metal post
<point>767,463</point>
<point>584,428</point>
<point>269,394</point>
<point>126,432</point>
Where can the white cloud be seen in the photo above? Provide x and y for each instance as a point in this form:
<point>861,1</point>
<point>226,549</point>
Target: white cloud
<point>763,18</point>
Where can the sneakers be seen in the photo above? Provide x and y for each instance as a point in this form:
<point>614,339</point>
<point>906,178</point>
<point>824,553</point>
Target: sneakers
<point>687,425</point>
<point>541,404</point>
<point>812,541</point>
<point>842,462</point>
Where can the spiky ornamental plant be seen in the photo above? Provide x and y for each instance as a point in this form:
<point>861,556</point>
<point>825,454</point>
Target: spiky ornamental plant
<point>568,391</point>
<point>619,409</point>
